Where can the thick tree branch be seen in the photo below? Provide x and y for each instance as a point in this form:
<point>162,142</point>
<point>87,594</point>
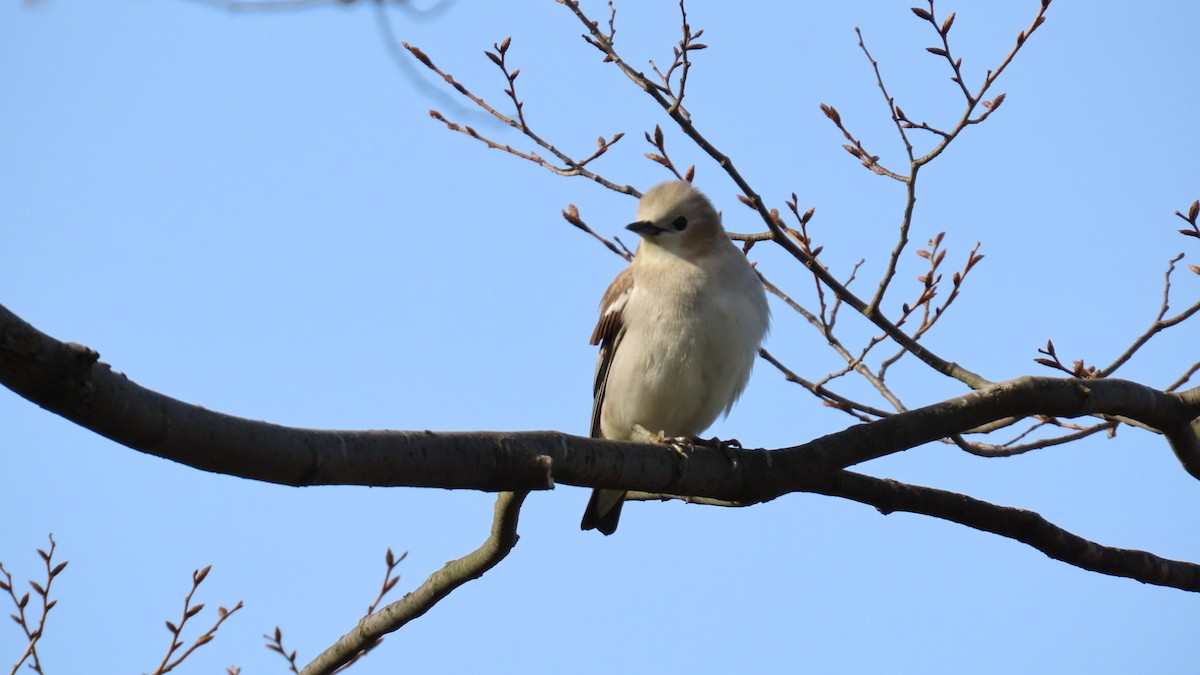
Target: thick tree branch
<point>1025,526</point>
<point>69,380</point>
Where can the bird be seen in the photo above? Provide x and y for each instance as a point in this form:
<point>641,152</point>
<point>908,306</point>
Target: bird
<point>679,331</point>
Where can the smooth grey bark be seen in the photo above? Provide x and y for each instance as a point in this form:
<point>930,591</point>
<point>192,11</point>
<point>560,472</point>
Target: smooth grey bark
<point>68,379</point>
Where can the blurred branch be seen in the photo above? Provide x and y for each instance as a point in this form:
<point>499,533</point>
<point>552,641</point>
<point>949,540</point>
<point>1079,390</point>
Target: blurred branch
<point>287,5</point>
<point>387,32</point>
<point>400,57</point>
<point>371,628</point>
<point>271,5</point>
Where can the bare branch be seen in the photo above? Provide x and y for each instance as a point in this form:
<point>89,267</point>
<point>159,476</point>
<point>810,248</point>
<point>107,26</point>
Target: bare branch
<point>976,99</point>
<point>570,167</point>
<point>855,147</point>
<point>853,363</point>
<point>373,627</point>
<point>389,583</point>
<point>571,215</point>
<point>268,5</point>
<point>33,633</point>
<point>291,5</point>
<point>1080,368</point>
<point>68,380</point>
<point>831,398</point>
<point>943,31</point>
<point>661,157</point>
<point>894,112</point>
<point>275,644</point>
<point>973,100</point>
<point>1011,449</point>
<point>751,236</point>
<point>1159,323</point>
<point>1187,375</point>
<point>189,611</point>
<point>1027,527</point>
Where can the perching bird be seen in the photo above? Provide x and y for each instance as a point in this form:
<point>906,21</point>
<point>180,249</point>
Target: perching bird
<point>679,331</point>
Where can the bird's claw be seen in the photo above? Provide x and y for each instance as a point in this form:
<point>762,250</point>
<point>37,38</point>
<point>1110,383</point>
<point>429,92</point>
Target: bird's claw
<point>685,445</point>
<point>682,445</point>
<point>728,447</point>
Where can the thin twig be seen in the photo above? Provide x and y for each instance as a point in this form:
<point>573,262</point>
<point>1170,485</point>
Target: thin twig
<point>275,644</point>
<point>661,157</point>
<point>389,582</point>
<point>853,363</point>
<point>286,5</point>
<point>1159,323</point>
<point>570,167</point>
<point>33,633</point>
<point>176,630</point>
<point>571,215</point>
<point>1187,375</point>
<point>1007,450</point>
<point>891,103</point>
<point>830,397</point>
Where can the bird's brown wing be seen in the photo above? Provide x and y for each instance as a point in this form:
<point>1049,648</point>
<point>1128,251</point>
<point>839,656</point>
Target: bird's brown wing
<point>608,333</point>
<point>604,508</point>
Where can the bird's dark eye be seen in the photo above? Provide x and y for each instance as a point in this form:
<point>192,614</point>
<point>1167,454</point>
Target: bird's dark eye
<point>679,223</point>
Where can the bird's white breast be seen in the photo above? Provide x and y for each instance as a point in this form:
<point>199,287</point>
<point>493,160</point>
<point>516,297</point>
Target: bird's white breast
<point>688,346</point>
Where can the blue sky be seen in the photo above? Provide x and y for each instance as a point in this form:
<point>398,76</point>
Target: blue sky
<point>254,213</point>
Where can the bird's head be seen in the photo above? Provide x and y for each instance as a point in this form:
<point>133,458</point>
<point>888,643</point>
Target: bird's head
<point>678,218</point>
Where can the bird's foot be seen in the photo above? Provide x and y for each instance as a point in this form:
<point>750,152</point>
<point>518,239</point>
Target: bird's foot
<point>728,447</point>
<point>682,445</point>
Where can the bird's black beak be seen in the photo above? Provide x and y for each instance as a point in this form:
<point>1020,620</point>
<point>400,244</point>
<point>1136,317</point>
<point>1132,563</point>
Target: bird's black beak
<point>645,228</point>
